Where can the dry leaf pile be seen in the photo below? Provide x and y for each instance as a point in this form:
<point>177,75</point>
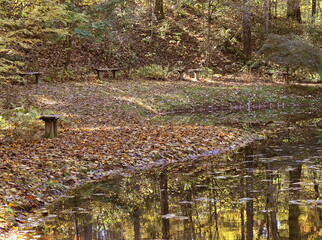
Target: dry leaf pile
<point>95,137</point>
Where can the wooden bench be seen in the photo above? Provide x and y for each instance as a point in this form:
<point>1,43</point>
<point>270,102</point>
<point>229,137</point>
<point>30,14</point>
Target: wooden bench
<point>51,128</point>
<point>100,72</point>
<point>196,73</point>
<point>284,74</point>
<point>37,75</point>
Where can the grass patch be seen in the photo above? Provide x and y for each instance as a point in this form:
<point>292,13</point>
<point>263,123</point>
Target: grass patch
<point>175,96</point>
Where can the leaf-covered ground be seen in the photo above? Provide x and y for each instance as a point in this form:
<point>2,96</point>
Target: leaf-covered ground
<point>106,126</point>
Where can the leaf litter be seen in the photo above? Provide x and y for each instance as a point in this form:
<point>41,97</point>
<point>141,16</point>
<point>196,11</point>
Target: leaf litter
<point>97,134</point>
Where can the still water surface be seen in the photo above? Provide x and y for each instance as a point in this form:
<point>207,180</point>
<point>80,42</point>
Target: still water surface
<point>269,190</point>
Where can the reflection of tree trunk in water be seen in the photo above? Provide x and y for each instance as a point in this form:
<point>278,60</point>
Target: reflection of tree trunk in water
<point>317,196</point>
<point>242,209</point>
<point>294,210</point>
<point>249,166</point>
<point>136,223</point>
<point>164,205</point>
<point>272,227</point>
<point>215,213</point>
<point>88,228</point>
<point>76,226</point>
<point>189,232</point>
<point>76,219</point>
<point>316,187</point>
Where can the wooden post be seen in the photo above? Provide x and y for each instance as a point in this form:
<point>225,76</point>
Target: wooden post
<point>286,75</point>
<point>197,75</point>
<point>51,126</point>
<point>181,71</point>
<point>37,78</point>
<point>99,74</point>
<point>114,73</point>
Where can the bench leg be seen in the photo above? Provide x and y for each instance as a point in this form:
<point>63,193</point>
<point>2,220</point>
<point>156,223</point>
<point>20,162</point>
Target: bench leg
<point>100,75</point>
<point>51,129</point>
<point>55,128</point>
<point>114,73</point>
<point>37,78</point>
<point>287,80</point>
<point>197,76</point>
<point>181,76</point>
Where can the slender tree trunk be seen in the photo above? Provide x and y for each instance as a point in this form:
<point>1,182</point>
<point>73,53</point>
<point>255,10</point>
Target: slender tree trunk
<point>293,10</point>
<point>273,230</point>
<point>158,9</point>
<point>88,228</point>
<point>136,224</point>
<point>249,168</point>
<point>242,211</point>
<point>294,209</point>
<point>247,40</point>
<point>267,14</point>
<point>208,33</point>
<point>69,46</point>
<point>164,204</point>
<point>314,3</point>
<point>107,51</point>
<point>274,6</point>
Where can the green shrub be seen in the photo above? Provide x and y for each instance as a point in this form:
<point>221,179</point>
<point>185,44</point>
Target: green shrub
<point>207,72</point>
<point>154,72</point>
<point>20,122</point>
<point>292,51</point>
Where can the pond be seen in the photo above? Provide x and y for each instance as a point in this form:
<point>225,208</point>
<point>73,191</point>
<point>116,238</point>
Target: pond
<point>268,190</point>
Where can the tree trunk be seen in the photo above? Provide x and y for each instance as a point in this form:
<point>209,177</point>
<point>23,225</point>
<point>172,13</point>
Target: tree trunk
<point>164,204</point>
<point>294,209</point>
<point>267,14</point>
<point>314,3</point>
<point>247,41</point>
<point>69,46</point>
<point>293,10</point>
<point>249,169</point>
<point>208,33</point>
<point>158,9</point>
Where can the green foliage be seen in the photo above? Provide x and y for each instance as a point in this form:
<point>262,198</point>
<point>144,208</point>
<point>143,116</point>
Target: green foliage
<point>154,72</point>
<point>70,75</point>
<point>24,25</point>
<point>291,51</point>
<point>207,72</point>
<point>314,33</point>
<point>20,121</point>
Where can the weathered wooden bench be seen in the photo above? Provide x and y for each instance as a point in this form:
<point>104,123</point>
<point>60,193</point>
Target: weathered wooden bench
<point>51,128</point>
<point>284,74</point>
<point>196,73</point>
<point>100,72</point>
<point>36,74</point>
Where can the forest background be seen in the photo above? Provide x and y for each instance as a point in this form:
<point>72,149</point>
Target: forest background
<point>69,39</point>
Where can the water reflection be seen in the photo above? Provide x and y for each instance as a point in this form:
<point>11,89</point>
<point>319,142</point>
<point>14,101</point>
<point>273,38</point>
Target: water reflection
<point>270,190</point>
